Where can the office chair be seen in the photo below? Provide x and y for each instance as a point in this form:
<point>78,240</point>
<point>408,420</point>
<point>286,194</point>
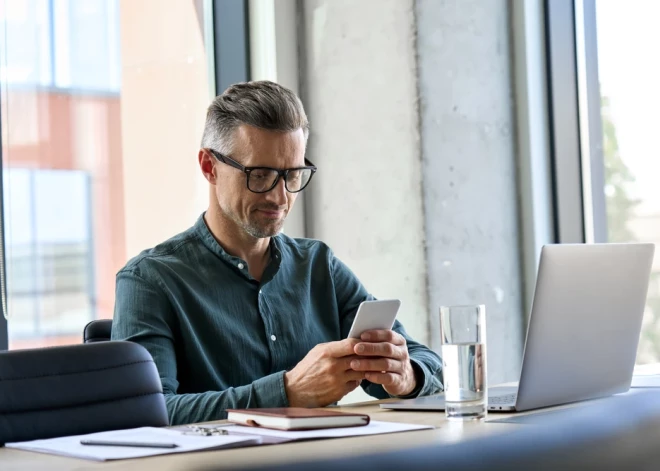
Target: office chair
<point>98,330</point>
<point>77,389</point>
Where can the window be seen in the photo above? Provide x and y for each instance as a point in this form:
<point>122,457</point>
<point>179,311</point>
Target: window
<point>602,89</point>
<point>50,261</point>
<point>103,104</point>
<point>65,44</point>
<point>629,73</point>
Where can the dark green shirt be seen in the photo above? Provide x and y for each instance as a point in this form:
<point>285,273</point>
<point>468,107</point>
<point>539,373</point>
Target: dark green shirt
<point>222,339</point>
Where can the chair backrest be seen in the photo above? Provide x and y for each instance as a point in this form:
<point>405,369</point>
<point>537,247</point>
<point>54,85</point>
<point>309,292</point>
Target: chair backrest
<point>76,389</point>
<point>98,330</point>
<point>613,434</point>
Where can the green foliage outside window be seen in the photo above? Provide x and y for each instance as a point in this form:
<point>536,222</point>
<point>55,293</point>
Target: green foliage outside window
<point>620,211</point>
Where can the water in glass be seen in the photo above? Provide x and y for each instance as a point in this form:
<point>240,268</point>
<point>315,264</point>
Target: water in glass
<point>463,340</point>
<point>465,380</point>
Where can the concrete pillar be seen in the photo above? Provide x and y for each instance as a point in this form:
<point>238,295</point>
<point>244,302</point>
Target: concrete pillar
<point>469,168</point>
<point>358,84</point>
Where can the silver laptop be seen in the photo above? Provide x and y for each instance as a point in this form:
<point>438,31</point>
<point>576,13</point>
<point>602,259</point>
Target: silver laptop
<point>583,329</point>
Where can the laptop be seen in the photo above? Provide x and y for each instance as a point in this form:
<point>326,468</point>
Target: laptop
<point>583,329</point>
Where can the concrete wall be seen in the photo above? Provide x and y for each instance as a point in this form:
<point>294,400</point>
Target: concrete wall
<point>376,74</point>
<point>358,84</point>
<point>469,168</point>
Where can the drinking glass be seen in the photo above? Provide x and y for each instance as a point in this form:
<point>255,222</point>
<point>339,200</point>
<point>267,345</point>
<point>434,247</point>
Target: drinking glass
<point>463,340</point>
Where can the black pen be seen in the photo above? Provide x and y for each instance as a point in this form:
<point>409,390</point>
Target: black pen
<point>133,444</point>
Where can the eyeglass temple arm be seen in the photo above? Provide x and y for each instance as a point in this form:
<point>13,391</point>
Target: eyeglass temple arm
<point>226,160</point>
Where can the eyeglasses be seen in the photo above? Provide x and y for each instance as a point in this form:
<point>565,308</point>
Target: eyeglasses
<point>264,179</point>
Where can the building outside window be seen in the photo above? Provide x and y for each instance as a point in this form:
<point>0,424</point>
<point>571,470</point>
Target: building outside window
<point>102,107</point>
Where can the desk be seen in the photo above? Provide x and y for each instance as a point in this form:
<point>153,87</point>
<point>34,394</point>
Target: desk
<point>445,432</point>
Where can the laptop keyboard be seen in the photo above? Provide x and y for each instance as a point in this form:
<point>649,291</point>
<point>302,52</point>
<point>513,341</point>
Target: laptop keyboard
<point>506,399</point>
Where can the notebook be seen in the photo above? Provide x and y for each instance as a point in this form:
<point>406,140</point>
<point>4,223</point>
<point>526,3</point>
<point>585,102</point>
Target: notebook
<point>375,427</point>
<point>295,418</point>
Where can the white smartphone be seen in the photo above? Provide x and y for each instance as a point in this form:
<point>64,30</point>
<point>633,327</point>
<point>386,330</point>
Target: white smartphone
<point>374,315</point>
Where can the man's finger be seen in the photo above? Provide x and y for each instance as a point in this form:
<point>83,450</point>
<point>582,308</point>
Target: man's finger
<point>386,379</point>
<point>341,348</point>
<point>382,349</point>
<point>379,365</point>
<point>351,385</point>
<point>383,336</point>
<point>352,375</point>
<point>346,361</point>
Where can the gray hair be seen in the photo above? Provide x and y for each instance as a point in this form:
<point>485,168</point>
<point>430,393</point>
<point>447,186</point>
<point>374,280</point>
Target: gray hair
<point>261,104</point>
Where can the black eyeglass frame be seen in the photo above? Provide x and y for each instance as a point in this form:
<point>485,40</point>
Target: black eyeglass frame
<point>280,173</point>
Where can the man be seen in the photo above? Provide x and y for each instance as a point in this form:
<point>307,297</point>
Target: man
<point>235,313</point>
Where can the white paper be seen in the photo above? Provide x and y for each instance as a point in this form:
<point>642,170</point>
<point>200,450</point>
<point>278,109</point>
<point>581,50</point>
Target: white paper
<point>645,381</point>
<point>646,376</point>
<point>649,369</point>
<point>373,428</point>
<point>70,446</point>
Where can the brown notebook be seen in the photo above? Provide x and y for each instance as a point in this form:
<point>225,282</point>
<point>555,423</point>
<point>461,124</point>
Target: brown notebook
<point>295,418</point>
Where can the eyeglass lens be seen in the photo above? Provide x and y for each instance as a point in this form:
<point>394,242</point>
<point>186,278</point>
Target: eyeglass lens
<point>263,179</point>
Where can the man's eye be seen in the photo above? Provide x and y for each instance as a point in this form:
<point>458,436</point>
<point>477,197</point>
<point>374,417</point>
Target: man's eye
<point>261,174</point>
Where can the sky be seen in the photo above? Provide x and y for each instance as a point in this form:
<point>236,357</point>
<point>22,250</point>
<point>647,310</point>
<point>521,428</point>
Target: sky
<point>629,72</point>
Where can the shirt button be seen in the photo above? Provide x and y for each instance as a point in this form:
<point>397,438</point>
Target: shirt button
<point>273,338</point>
<point>240,266</point>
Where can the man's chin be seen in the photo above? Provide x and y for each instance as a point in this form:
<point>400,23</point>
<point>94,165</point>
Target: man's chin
<point>266,230</point>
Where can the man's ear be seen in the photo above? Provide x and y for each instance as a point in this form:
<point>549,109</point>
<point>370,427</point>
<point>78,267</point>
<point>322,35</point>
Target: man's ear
<point>207,165</point>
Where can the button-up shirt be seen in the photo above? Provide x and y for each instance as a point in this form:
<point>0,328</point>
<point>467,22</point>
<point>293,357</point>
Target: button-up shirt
<point>222,339</point>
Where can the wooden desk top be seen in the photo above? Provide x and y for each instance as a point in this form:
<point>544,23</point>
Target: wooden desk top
<point>445,432</point>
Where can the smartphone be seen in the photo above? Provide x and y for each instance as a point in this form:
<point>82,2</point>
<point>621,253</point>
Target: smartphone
<point>374,315</point>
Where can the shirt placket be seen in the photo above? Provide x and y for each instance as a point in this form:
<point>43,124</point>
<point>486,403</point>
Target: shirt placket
<point>266,313</point>
<point>268,305</point>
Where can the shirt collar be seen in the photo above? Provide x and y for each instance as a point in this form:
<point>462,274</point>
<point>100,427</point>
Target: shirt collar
<point>209,241</point>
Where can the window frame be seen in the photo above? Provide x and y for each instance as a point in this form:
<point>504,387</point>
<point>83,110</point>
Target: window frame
<point>4,331</point>
<point>591,129</point>
<point>535,182</point>
<point>576,136</point>
<point>231,41</point>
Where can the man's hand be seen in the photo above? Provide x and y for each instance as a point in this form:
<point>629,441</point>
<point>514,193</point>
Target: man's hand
<point>324,376</point>
<point>390,365</point>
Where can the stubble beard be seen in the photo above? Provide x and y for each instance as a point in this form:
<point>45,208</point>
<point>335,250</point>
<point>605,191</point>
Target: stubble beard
<point>264,230</point>
<point>258,229</point>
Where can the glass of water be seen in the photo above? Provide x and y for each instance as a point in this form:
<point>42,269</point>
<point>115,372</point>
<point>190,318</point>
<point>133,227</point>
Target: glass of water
<point>463,340</point>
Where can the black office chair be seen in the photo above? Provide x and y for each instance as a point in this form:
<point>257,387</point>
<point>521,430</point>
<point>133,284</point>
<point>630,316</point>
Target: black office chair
<point>98,330</point>
<point>77,389</point>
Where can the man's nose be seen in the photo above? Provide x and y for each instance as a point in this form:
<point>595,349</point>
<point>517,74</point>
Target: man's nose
<point>278,194</point>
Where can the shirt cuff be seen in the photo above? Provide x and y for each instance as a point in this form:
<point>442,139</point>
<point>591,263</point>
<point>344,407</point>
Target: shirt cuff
<point>270,391</point>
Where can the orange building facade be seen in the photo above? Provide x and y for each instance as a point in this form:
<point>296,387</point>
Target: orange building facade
<point>49,130</point>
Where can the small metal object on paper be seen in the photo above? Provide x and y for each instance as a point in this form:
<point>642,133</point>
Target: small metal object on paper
<point>206,431</point>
